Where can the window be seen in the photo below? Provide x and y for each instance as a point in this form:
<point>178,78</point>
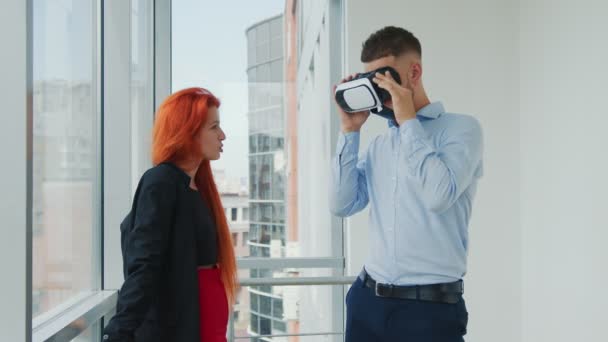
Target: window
<point>90,334</point>
<point>245,238</point>
<point>235,238</point>
<point>262,83</point>
<point>233,214</point>
<point>64,194</point>
<point>66,180</point>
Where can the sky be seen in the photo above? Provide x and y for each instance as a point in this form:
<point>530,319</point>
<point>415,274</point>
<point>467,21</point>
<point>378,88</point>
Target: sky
<point>209,49</point>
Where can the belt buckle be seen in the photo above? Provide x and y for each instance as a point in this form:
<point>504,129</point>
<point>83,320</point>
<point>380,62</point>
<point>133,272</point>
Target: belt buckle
<point>383,290</point>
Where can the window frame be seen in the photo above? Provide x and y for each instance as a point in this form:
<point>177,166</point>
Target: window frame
<point>16,88</point>
<point>17,85</point>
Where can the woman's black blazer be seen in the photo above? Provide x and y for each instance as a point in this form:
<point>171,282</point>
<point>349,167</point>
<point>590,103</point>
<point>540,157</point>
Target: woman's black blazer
<point>159,298</point>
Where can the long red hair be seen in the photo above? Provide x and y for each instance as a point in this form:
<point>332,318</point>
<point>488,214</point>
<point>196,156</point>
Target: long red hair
<point>177,122</point>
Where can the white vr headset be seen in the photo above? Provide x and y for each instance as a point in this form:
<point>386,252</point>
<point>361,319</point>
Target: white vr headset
<point>361,94</point>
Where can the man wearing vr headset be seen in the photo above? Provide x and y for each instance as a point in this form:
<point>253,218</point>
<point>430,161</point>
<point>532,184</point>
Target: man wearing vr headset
<point>420,178</point>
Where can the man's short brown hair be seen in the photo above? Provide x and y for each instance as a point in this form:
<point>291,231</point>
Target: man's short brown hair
<point>389,41</point>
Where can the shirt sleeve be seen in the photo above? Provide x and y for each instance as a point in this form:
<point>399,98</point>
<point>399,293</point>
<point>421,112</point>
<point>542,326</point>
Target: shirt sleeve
<point>444,172</point>
<point>348,189</point>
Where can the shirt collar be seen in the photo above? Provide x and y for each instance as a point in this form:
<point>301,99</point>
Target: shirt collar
<point>429,112</point>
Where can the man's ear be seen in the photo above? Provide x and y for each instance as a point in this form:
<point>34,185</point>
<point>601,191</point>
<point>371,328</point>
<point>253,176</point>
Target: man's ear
<point>415,73</point>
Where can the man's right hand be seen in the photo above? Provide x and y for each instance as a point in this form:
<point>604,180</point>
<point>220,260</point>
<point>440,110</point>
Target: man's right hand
<point>351,122</point>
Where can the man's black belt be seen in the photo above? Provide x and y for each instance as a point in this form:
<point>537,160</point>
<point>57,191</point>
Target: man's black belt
<point>450,293</point>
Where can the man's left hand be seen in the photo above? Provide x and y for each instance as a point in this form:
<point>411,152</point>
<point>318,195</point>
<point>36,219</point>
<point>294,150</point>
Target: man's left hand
<point>402,98</point>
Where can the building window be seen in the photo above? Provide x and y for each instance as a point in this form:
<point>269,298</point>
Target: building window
<point>235,238</point>
<point>233,214</point>
<point>245,238</point>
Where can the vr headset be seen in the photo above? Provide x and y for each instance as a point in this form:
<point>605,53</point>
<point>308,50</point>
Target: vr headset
<point>361,94</point>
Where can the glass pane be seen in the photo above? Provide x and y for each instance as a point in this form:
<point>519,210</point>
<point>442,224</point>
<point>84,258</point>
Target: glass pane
<point>262,32</point>
<point>263,75</point>
<point>251,45</point>
<point>276,71</point>
<point>276,28</point>
<point>287,303</point>
<point>284,202</point>
<point>276,48</point>
<point>264,326</point>
<point>263,52</point>
<point>90,335</point>
<point>65,159</point>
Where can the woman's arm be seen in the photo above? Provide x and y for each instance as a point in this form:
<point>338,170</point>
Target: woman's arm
<point>146,252</point>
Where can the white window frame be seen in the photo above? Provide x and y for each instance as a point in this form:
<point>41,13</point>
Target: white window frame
<point>16,132</point>
<point>114,107</point>
<point>118,185</point>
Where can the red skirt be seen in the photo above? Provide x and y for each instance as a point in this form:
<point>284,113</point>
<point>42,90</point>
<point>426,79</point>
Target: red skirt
<point>213,305</point>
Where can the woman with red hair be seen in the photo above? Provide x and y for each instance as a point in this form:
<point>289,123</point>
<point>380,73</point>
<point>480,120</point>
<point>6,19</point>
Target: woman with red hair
<point>179,264</point>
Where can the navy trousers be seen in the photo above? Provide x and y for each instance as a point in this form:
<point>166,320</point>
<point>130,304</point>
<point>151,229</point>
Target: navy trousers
<point>376,319</point>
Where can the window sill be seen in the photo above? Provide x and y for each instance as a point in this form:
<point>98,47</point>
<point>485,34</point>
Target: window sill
<point>66,324</point>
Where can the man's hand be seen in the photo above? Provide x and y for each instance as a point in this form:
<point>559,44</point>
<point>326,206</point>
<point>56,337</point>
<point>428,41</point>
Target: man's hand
<point>402,98</point>
<point>351,122</point>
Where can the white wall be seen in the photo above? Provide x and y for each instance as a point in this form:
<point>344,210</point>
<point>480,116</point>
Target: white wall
<point>470,63</point>
<point>533,73</point>
<point>563,53</point>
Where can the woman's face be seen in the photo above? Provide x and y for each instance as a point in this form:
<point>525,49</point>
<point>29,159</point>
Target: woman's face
<point>210,136</point>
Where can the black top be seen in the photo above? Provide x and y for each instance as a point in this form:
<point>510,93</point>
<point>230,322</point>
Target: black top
<point>206,237</point>
<point>167,234</point>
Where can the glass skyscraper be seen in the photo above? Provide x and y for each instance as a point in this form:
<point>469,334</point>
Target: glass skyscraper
<point>267,165</point>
